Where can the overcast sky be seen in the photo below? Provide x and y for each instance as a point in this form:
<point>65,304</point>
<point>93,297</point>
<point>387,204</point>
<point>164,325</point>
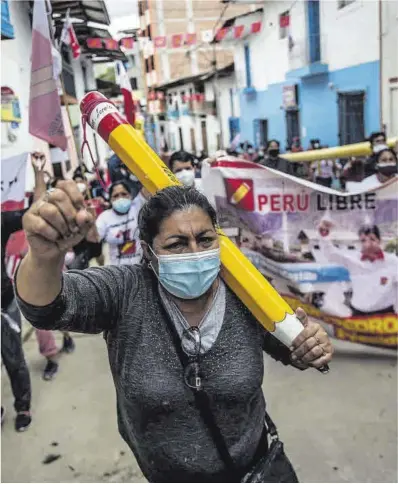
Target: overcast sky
<point>123,13</point>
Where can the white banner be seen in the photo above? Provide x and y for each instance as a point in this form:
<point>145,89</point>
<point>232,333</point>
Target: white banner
<point>13,172</point>
<point>332,253</point>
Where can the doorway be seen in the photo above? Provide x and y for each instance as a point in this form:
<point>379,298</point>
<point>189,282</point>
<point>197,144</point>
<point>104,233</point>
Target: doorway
<point>393,128</point>
<point>292,126</point>
<point>351,117</point>
<point>260,127</point>
<point>181,138</point>
<point>204,136</point>
<point>193,140</point>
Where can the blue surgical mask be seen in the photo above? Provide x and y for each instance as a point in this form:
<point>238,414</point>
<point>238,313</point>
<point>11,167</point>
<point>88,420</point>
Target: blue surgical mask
<point>188,276</point>
<point>121,205</point>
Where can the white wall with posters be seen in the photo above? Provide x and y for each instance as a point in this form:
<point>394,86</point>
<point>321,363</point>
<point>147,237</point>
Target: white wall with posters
<point>228,105</point>
<point>191,127</point>
<point>15,74</point>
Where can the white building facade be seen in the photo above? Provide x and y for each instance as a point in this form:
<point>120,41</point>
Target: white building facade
<point>15,75</point>
<point>389,66</point>
<point>194,114</point>
<point>313,71</point>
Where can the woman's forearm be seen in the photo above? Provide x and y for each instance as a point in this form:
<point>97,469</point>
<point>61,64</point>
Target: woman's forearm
<point>38,283</point>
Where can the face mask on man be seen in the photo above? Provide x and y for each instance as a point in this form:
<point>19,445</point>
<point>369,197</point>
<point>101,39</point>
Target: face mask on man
<point>378,148</point>
<point>186,177</point>
<point>273,152</point>
<point>188,276</point>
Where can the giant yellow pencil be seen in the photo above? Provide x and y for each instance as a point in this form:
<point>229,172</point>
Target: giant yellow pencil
<point>269,308</point>
<point>356,149</point>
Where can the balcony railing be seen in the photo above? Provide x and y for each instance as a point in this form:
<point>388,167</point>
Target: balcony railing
<point>202,107</point>
<point>306,50</point>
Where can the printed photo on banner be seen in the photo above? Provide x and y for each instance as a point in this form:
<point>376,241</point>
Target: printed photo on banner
<point>333,254</point>
<point>13,174</point>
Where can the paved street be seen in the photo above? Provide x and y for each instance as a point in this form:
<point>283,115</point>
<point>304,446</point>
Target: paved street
<point>336,428</point>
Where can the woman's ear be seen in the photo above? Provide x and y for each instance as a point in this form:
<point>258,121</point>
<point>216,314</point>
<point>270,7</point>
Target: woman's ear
<point>146,251</point>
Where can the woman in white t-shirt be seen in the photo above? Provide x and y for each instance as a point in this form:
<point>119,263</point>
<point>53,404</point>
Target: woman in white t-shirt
<point>118,226</point>
<point>386,165</point>
<point>325,171</point>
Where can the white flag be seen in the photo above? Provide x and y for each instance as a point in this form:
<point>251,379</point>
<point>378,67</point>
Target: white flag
<point>207,36</point>
<point>13,182</point>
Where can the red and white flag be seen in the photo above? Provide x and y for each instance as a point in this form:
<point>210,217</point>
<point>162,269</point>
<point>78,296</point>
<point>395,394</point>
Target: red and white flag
<point>190,38</point>
<point>160,42</point>
<point>68,37</point>
<point>256,27</point>
<point>238,31</point>
<point>125,86</point>
<point>177,40</point>
<point>45,116</point>
<point>221,33</point>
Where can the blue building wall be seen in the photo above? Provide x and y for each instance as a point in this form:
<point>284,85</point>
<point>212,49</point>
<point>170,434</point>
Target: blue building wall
<point>317,102</point>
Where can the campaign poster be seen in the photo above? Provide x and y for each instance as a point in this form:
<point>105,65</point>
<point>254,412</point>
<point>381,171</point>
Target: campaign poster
<point>332,253</point>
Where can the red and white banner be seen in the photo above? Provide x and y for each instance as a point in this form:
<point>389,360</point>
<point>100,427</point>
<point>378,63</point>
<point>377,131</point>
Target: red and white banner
<point>160,42</point>
<point>190,39</point>
<point>68,37</point>
<point>221,34</point>
<point>284,21</point>
<point>45,117</point>
<point>127,91</point>
<point>13,174</point>
<point>238,31</point>
<point>332,253</point>
<point>256,27</point>
<point>127,43</point>
<point>177,40</point>
<point>94,43</point>
<point>111,44</point>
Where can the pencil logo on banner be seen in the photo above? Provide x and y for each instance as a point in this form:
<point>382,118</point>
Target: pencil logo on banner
<point>240,193</point>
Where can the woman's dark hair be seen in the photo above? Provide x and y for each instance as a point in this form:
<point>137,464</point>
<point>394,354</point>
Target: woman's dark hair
<point>183,156</point>
<point>166,202</point>
<point>386,150</point>
<point>79,175</point>
<point>273,141</point>
<point>375,135</point>
<point>370,229</point>
<point>116,184</point>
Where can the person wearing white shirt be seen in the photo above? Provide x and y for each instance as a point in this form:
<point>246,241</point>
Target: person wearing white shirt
<point>182,164</point>
<point>386,169</point>
<point>118,226</point>
<point>324,171</point>
<point>373,272</point>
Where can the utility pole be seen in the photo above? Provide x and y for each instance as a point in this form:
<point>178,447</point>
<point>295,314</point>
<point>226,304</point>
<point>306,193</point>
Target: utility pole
<point>215,74</point>
<point>215,90</point>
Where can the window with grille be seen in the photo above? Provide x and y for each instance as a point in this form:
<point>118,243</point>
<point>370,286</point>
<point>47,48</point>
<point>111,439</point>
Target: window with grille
<point>351,117</point>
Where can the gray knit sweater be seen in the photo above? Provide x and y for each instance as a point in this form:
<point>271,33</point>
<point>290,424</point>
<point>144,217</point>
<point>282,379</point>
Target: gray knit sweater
<point>156,412</point>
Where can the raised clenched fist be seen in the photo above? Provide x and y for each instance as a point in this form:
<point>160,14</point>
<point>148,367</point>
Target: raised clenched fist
<point>57,222</point>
